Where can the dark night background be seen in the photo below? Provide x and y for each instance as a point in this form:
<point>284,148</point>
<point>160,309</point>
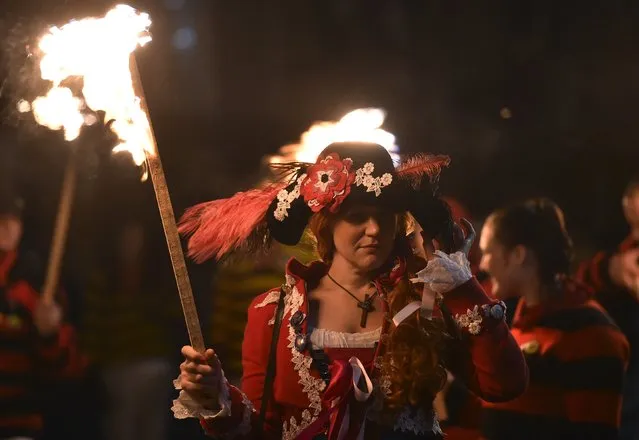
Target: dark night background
<point>259,73</point>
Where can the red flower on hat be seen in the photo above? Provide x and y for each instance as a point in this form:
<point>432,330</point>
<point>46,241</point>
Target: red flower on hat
<point>328,183</point>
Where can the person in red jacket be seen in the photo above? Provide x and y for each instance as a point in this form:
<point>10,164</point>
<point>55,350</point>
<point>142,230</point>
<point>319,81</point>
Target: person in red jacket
<point>450,427</point>
<point>369,330</point>
<point>36,345</point>
<point>614,276</point>
<point>576,354</point>
<point>452,431</point>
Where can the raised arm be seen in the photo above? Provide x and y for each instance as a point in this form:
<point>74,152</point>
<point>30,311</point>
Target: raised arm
<point>489,360</point>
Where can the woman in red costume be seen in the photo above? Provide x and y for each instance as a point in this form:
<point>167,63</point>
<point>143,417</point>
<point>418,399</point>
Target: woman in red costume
<point>353,346</point>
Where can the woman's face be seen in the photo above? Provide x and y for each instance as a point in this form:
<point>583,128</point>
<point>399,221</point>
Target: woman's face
<point>497,261</point>
<point>364,236</point>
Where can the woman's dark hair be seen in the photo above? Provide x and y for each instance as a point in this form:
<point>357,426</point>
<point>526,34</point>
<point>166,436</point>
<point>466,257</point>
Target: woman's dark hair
<point>537,224</point>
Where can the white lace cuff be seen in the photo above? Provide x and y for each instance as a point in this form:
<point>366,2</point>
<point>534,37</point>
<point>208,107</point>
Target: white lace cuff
<point>445,272</point>
<point>185,407</point>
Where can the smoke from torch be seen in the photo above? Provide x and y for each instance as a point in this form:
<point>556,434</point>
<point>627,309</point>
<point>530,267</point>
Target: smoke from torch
<point>99,51</point>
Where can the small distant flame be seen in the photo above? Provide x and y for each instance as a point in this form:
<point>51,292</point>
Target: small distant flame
<point>98,51</point>
<point>23,106</point>
<point>362,125</point>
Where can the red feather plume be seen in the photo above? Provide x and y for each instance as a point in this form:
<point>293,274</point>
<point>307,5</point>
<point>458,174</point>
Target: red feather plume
<point>220,226</point>
<point>423,164</point>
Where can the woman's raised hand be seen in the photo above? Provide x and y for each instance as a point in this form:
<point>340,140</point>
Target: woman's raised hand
<point>460,239</point>
<point>464,236</point>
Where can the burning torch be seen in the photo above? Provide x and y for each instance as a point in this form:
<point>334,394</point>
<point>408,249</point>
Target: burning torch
<point>100,52</point>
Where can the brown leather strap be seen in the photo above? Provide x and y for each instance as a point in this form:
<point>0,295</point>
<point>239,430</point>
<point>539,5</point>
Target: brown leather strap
<point>267,393</point>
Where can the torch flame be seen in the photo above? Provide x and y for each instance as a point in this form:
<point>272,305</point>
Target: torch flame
<point>98,51</point>
<point>361,125</point>
<point>59,109</point>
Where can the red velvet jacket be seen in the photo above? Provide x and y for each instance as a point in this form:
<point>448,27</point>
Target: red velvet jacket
<point>492,364</point>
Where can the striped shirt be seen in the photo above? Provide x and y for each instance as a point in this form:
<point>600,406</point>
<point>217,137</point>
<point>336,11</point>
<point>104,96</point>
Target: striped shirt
<point>623,307</point>
<point>577,357</point>
<point>28,361</point>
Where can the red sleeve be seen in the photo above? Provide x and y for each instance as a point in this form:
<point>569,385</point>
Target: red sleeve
<point>61,354</point>
<point>594,272</point>
<point>57,355</point>
<point>246,403</point>
<point>490,363</point>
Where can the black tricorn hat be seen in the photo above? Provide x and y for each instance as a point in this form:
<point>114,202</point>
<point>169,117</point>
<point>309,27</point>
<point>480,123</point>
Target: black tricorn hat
<point>358,171</point>
<point>363,173</point>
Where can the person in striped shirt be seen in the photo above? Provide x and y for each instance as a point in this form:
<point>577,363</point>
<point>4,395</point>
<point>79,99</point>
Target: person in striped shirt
<point>614,276</point>
<point>36,346</point>
<point>576,354</point>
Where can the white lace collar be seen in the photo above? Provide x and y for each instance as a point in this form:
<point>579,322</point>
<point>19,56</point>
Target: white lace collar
<point>323,338</point>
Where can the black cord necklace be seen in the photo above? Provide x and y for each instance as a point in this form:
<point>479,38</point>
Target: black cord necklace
<point>366,305</point>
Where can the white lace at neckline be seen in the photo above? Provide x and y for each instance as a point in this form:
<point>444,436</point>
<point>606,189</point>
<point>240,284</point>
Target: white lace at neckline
<point>323,338</point>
